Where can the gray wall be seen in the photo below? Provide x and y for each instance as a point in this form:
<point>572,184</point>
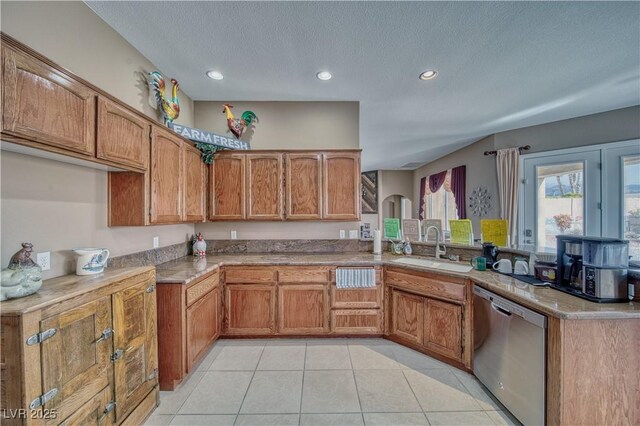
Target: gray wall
<point>610,126</point>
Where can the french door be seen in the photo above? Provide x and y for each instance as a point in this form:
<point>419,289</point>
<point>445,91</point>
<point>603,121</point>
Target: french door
<point>592,191</point>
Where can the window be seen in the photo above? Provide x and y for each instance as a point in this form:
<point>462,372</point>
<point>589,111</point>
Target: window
<point>441,205</point>
<point>591,191</point>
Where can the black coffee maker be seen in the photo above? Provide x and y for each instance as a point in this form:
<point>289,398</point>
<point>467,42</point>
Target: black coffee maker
<point>490,252</point>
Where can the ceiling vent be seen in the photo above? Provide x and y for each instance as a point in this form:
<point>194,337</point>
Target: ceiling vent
<point>411,166</point>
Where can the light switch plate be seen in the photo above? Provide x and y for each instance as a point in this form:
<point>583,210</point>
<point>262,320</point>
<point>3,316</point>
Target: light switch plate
<point>353,234</point>
<point>234,235</point>
<point>156,242</point>
<point>343,234</point>
<point>44,260</point>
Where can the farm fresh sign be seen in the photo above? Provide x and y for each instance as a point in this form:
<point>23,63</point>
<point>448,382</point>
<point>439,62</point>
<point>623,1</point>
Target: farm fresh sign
<point>203,136</point>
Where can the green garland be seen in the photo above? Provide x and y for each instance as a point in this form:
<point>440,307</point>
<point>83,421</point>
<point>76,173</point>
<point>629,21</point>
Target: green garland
<point>207,151</point>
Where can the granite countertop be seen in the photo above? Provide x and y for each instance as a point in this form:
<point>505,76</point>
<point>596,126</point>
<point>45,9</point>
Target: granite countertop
<point>545,300</point>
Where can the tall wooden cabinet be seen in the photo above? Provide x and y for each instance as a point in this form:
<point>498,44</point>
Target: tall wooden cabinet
<point>227,182</point>
<point>84,349</point>
<point>166,180</point>
<point>264,186</point>
<point>341,186</point>
<point>195,185</point>
<point>303,186</point>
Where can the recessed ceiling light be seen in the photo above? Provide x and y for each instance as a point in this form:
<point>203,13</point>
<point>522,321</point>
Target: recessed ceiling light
<point>216,75</point>
<point>428,75</point>
<point>324,75</point>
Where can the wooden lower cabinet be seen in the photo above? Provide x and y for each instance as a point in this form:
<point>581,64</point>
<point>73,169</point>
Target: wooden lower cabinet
<point>303,308</point>
<point>189,321</point>
<point>356,321</point>
<point>443,328</point>
<point>250,309</point>
<point>203,326</point>
<point>84,350</point>
<point>407,316</point>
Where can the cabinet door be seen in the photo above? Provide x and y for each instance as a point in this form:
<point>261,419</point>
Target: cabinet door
<point>303,186</point>
<point>341,187</point>
<point>407,313</point>
<point>195,178</point>
<point>443,328</point>
<point>73,360</point>
<point>166,177</point>
<point>303,309</point>
<point>264,187</point>
<point>202,326</point>
<point>93,411</point>
<point>136,346</point>
<point>227,183</point>
<point>122,136</point>
<point>250,309</point>
<point>43,105</point>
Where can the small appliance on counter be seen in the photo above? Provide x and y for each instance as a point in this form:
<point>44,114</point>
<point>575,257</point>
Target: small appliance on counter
<point>490,252</point>
<point>593,268</point>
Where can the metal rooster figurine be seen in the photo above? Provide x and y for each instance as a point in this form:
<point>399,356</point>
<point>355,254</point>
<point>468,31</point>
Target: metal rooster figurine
<point>170,108</point>
<point>237,126</point>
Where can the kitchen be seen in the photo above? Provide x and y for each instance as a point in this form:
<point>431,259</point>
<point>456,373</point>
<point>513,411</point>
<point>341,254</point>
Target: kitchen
<point>290,317</point>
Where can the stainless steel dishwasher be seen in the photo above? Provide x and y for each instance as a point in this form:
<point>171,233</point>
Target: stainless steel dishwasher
<point>509,354</point>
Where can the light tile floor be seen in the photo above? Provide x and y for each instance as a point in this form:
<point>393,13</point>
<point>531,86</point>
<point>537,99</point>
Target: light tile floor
<point>326,382</point>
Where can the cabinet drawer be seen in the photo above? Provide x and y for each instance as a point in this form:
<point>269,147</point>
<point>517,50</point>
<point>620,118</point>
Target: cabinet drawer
<point>428,286</point>
<point>363,298</point>
<point>356,321</point>
<point>249,275</point>
<point>304,275</point>
<point>199,289</point>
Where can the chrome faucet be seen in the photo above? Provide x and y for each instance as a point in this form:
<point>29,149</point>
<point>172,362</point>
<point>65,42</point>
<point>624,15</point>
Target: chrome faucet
<point>439,251</point>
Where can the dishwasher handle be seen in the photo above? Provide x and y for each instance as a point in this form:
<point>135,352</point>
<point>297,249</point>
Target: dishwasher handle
<point>500,309</point>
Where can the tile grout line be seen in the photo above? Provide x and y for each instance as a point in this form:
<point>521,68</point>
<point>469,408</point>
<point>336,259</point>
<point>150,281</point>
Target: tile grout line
<point>415,396</point>
<point>250,381</point>
<point>304,370</point>
<point>355,382</point>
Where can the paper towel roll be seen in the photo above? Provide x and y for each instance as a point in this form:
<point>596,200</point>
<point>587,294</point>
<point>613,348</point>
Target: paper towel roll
<point>377,241</point>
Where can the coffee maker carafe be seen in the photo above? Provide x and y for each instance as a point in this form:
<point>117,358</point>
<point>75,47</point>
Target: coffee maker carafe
<point>572,261</point>
<point>490,252</point>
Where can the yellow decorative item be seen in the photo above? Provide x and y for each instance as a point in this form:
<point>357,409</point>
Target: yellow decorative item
<point>495,231</point>
<point>461,231</point>
<point>170,108</point>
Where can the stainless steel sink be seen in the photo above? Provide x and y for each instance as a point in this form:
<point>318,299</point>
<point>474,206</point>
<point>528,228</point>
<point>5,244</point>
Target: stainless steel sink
<point>434,264</point>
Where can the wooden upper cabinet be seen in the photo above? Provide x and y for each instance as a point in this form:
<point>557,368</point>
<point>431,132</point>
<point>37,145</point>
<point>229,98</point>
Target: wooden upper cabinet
<point>195,185</point>
<point>341,186</point>
<point>166,176</point>
<point>135,346</point>
<point>303,186</point>
<point>122,136</point>
<point>73,360</point>
<point>443,328</point>
<point>227,182</point>
<point>264,186</point>
<point>42,105</point>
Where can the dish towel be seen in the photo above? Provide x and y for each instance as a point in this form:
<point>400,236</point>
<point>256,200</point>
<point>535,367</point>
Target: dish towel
<point>355,277</point>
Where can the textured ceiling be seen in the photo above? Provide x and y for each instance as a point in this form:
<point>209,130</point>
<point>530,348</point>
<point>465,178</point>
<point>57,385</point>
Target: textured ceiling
<point>501,65</point>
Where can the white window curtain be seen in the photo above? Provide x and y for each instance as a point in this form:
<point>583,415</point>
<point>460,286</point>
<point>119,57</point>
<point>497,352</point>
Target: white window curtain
<point>507,163</point>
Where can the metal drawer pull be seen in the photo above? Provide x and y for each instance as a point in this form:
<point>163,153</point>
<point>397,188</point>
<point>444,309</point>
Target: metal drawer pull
<point>109,407</point>
<point>151,288</point>
<point>107,333</point>
<point>117,355</point>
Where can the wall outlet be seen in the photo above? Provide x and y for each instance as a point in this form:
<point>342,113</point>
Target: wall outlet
<point>44,260</point>
<point>343,234</point>
<point>234,235</point>
<point>353,234</point>
<point>156,242</point>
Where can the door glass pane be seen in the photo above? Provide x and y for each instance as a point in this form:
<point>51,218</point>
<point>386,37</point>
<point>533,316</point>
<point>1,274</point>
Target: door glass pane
<point>560,201</point>
<point>631,206</point>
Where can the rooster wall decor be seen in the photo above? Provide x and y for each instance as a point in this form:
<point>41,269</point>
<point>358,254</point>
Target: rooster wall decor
<point>170,108</point>
<point>237,126</point>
